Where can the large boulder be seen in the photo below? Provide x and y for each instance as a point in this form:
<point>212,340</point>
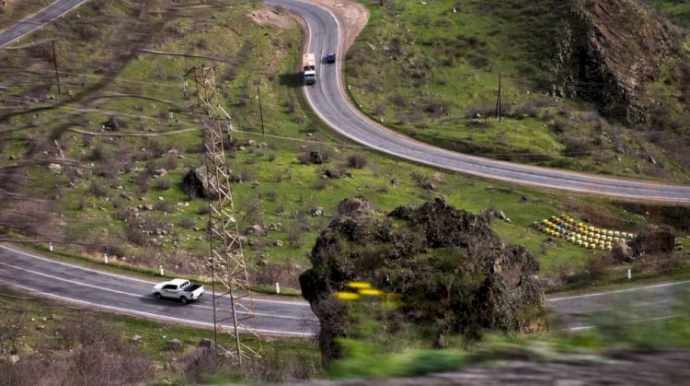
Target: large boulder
<point>453,273</point>
<point>622,253</point>
<point>198,182</point>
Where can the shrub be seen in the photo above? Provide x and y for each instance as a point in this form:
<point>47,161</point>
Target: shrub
<point>399,100</point>
<point>289,106</point>
<point>203,209</point>
<point>294,237</point>
<point>482,111</point>
<point>98,190</point>
<point>101,154</point>
<point>115,123</point>
<point>597,267</point>
<point>247,175</point>
<point>321,184</point>
<point>164,206</point>
<point>287,274</point>
<point>577,147</point>
<point>422,180</point>
<point>169,163</point>
<point>134,236</point>
<point>162,185</point>
<point>357,161</point>
<point>271,195</point>
<point>187,223</point>
<point>528,109</point>
<point>437,107</point>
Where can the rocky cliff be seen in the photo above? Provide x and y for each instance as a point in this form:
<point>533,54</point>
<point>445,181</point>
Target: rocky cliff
<point>606,50</point>
<point>454,274</point>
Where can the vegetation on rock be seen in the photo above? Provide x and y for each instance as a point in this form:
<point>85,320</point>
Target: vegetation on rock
<point>452,272</point>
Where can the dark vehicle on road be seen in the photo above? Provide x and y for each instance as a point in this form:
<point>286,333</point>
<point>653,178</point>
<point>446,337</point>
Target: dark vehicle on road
<point>330,58</point>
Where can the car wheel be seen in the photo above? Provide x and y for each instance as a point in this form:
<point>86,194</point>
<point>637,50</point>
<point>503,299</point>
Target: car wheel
<point>183,300</point>
<point>158,295</point>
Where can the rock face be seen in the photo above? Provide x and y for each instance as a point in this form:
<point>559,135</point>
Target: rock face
<point>617,44</point>
<point>454,274</point>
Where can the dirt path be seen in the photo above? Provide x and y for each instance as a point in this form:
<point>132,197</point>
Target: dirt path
<point>268,16</point>
<point>353,17</point>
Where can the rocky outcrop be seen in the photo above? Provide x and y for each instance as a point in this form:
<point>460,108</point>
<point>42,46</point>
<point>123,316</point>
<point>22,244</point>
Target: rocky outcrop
<point>614,46</point>
<point>453,273</point>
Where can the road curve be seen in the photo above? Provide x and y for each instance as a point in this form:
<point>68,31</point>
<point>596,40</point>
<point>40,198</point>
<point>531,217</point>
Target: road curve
<point>37,20</point>
<point>31,273</point>
<point>329,101</point>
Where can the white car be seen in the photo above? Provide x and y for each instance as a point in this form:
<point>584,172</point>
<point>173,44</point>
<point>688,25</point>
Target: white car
<point>180,289</point>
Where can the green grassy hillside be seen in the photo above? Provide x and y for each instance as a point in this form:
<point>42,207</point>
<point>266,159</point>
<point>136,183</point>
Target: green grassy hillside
<point>119,190</point>
<point>431,71</point>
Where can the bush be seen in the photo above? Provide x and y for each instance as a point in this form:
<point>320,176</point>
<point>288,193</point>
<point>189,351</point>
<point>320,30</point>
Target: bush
<point>162,185</point>
<point>321,184</point>
<point>187,223</point>
<point>399,100</point>
<point>247,175</point>
<point>98,190</point>
<point>134,236</point>
<point>597,267</point>
<point>101,154</point>
<point>203,209</point>
<point>294,237</point>
<point>437,108</point>
<point>483,111</point>
<point>164,206</point>
<point>287,274</point>
<point>115,123</point>
<point>141,180</point>
<point>577,147</point>
<point>357,161</point>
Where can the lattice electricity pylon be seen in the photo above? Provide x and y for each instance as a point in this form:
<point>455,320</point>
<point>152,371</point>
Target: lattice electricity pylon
<point>227,258</point>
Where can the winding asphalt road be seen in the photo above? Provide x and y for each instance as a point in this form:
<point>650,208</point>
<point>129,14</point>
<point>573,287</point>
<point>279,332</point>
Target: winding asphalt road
<point>34,274</point>
<point>329,101</point>
<point>36,21</point>
<point>38,275</point>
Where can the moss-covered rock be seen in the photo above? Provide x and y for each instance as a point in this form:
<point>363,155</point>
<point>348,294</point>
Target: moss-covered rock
<point>454,274</point>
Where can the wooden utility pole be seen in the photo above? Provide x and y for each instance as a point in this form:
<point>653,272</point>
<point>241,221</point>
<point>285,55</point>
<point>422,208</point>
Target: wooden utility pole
<point>57,75</point>
<point>233,306</point>
<point>261,111</point>
<point>498,100</point>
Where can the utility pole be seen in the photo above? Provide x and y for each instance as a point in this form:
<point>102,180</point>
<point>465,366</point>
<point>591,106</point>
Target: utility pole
<point>57,75</point>
<point>233,303</point>
<point>498,100</point>
<point>261,112</point>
